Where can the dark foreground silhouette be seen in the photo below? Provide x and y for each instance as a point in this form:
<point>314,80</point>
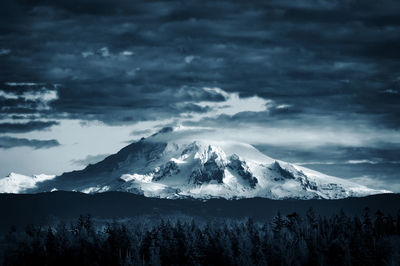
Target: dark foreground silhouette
<point>45,208</point>
<point>367,239</point>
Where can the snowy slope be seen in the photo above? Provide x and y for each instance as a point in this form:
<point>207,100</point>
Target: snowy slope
<point>16,183</point>
<point>168,166</point>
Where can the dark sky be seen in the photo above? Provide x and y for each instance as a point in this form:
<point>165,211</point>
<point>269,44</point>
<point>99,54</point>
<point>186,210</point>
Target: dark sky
<point>314,82</point>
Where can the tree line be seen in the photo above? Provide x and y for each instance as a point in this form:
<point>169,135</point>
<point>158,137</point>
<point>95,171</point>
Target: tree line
<point>285,240</point>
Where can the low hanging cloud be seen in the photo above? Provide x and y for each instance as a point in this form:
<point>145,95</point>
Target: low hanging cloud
<point>28,100</point>
<point>11,142</point>
<point>195,112</point>
<point>26,127</point>
<point>90,159</point>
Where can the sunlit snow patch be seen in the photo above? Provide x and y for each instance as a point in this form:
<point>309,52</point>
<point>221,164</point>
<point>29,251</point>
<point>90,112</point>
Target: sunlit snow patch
<point>16,183</point>
<point>96,189</point>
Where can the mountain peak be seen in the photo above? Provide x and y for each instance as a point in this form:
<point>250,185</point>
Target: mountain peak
<point>173,167</point>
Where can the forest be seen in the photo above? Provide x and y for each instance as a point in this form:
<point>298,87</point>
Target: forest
<point>368,239</point>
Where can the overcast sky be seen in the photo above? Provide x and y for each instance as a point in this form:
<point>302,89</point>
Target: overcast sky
<point>312,82</point>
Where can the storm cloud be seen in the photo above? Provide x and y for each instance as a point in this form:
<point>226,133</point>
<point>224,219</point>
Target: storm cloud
<point>113,60</point>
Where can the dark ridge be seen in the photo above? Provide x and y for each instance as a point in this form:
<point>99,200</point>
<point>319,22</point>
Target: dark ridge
<point>23,209</point>
<point>282,172</point>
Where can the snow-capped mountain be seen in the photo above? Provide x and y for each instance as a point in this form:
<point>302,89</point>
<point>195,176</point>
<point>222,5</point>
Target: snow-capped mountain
<point>165,165</point>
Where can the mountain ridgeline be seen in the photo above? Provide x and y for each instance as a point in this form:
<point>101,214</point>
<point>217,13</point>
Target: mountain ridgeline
<point>167,165</point>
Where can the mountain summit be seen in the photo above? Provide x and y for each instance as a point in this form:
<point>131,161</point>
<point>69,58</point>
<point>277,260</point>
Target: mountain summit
<point>168,165</point>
